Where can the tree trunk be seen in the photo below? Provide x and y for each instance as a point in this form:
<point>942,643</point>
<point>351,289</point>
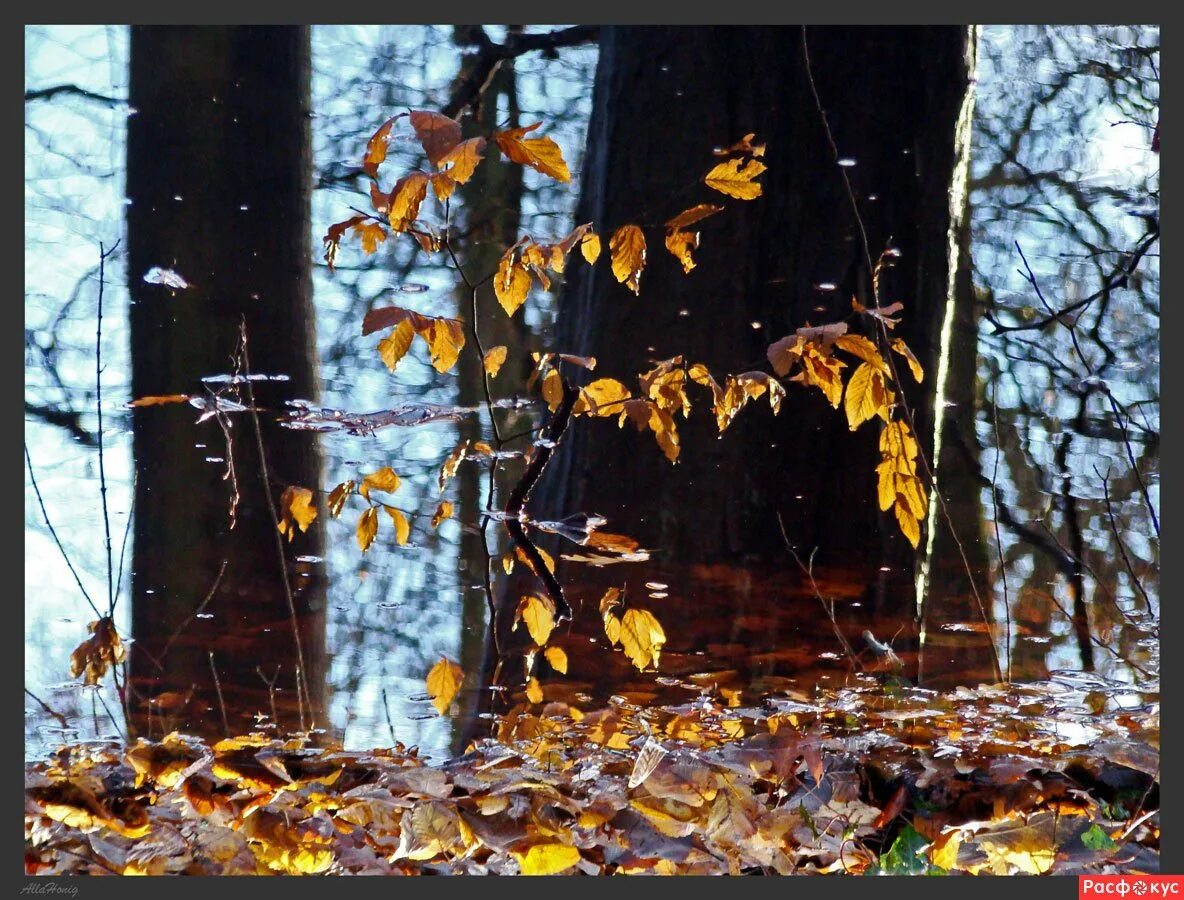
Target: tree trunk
<point>218,186</point>
<point>664,99</point>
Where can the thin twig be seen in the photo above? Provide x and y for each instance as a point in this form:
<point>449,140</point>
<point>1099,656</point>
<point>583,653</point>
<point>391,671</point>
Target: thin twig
<point>995,520</point>
<point>193,615</point>
<point>221,702</point>
<point>53,533</point>
<point>1118,537</point>
<point>883,333</point>
<point>827,606</point>
<point>65,723</point>
<point>103,254</point>
<point>275,521</point>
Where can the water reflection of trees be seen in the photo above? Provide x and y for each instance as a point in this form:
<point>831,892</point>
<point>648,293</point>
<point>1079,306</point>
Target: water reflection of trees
<point>1064,165</point>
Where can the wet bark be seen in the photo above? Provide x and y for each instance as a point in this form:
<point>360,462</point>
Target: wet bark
<point>218,185</point>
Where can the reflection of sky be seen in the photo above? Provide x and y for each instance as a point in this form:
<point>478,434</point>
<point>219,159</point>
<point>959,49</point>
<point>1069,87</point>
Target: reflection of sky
<point>392,613</point>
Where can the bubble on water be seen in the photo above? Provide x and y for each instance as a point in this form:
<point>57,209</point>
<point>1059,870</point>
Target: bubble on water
<point>167,277</point>
<point>846,162</point>
<point>825,286</point>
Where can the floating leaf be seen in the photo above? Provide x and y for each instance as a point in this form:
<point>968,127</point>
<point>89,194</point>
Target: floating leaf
<point>443,682</point>
<point>438,134</point>
<point>541,154</point>
<point>297,510</point>
<point>443,511</point>
<point>557,658</point>
<point>539,616</point>
<point>735,178</point>
<point>159,401</point>
<point>627,249</point>
<point>547,859</point>
<point>641,637</point>
<point>493,360</point>
<point>367,528</point>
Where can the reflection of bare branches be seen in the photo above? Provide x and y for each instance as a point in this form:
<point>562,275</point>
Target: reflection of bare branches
<point>72,90</point>
<point>1118,538</point>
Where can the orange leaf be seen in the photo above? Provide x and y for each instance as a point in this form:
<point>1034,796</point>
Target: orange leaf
<point>680,244</point>
<point>541,154</point>
<point>627,247</point>
<point>693,215</point>
<point>159,401</point>
<point>406,196</point>
<point>438,134</point>
<point>461,161</point>
<point>297,510</point>
<point>376,146</point>
<point>494,358</point>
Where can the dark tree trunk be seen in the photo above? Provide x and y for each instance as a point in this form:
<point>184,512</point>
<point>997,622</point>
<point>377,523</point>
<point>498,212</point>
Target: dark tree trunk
<point>664,98</point>
<point>218,182</point>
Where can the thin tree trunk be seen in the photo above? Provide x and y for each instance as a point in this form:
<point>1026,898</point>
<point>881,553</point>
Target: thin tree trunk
<point>218,185</point>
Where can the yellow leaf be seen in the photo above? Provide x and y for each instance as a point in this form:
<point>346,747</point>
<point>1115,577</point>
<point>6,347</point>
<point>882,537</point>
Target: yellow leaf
<point>943,853</point>
<point>438,134</point>
<point>534,691</point>
<point>541,154</point>
<point>443,511</point>
<point>461,161</point>
<point>402,526</point>
<point>372,234</point>
<point>511,284</point>
<point>665,432</point>
<point>297,510</point>
<point>443,682</point>
<point>861,399</point>
<point>553,389</point>
<point>445,339</point>
<point>680,244</point>
<point>452,463</point>
<point>384,479</point>
<point>508,563</point>
<point>908,524</point>
<point>590,247</point>
<point>886,486</point>
<point>627,248</point>
<point>395,345</point>
<point>603,397</point>
<point>539,617</point>
<point>96,654</point>
<point>734,177</point>
<point>547,859</point>
<point>641,637</point>
<point>337,497</point>
<point>863,348</point>
<point>693,215</point>
<point>406,197</point>
<point>915,367</point>
<point>822,372</point>
<point>367,528</point>
<point>494,358</point>
<point>557,658</point>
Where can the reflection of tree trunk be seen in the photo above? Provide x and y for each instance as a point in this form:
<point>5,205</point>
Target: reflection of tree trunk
<point>664,98</point>
<point>491,201</point>
<point>218,180</point>
<point>948,657</point>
